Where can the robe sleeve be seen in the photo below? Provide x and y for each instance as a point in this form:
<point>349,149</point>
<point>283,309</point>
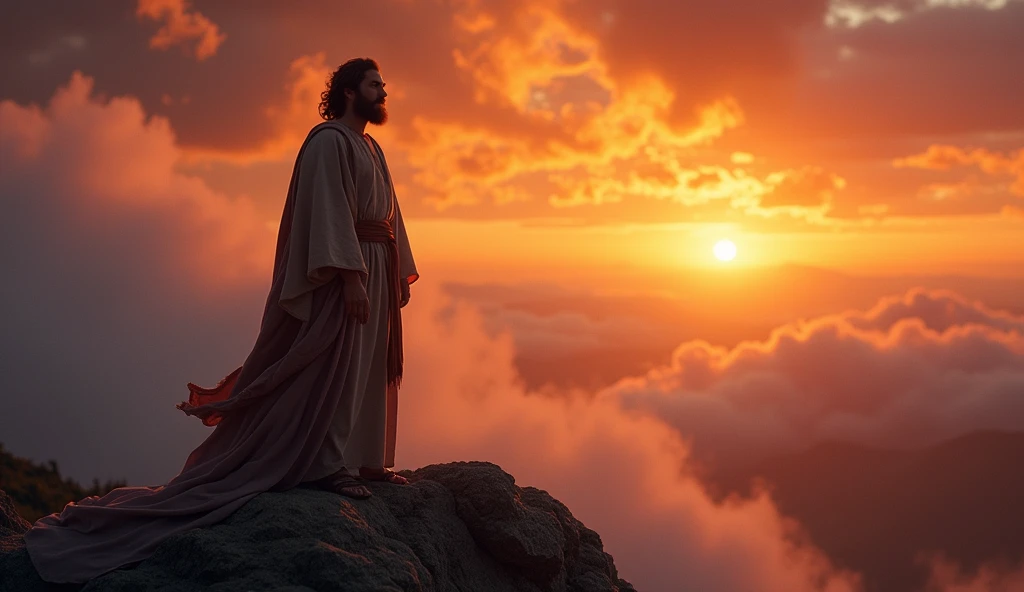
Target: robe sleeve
<point>406,264</point>
<point>322,236</point>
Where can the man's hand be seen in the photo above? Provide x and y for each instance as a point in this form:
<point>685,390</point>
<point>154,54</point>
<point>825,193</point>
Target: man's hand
<point>357,303</point>
<point>404,284</point>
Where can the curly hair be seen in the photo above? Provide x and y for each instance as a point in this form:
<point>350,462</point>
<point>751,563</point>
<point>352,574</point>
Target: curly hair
<point>349,75</point>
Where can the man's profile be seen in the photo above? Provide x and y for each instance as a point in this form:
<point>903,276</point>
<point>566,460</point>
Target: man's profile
<point>315,402</point>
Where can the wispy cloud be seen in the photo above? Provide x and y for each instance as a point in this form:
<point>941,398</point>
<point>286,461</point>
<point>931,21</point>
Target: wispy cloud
<point>181,25</point>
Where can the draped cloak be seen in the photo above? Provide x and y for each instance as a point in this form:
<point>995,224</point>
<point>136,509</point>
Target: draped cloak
<point>274,413</point>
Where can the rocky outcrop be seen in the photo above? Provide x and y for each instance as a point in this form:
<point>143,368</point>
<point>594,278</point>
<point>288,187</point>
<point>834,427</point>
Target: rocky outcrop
<point>459,526</point>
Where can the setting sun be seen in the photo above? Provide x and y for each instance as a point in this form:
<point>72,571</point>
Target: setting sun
<point>725,250</point>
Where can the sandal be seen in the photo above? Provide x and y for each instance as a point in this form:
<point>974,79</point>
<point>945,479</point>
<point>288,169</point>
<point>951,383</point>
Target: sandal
<point>387,476</point>
<point>343,483</point>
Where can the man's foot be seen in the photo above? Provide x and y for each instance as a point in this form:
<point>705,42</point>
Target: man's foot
<point>343,484</point>
<point>386,475</point>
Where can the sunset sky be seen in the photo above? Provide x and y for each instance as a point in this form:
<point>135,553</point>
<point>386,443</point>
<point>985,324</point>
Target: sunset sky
<point>565,169</point>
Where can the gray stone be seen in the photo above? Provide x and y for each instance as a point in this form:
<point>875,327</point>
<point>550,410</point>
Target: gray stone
<point>462,526</point>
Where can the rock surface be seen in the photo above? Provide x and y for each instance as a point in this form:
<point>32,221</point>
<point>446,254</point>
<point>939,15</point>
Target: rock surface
<point>459,526</point>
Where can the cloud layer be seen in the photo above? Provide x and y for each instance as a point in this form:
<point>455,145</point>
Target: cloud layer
<point>946,576</point>
<point>131,278</point>
<point>911,371</point>
<point>618,472</point>
<point>117,316</point>
<point>603,111</point>
<point>115,263</point>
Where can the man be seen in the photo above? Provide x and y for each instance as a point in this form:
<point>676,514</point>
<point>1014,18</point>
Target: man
<point>349,229</point>
<point>316,399</point>
<point>363,432</point>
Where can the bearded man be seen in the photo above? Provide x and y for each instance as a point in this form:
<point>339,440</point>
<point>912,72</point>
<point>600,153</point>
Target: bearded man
<point>315,402</point>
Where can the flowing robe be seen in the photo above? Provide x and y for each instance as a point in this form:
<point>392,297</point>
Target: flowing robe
<point>311,398</point>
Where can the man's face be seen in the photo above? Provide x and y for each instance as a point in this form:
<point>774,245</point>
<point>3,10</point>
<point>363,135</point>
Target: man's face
<point>368,103</point>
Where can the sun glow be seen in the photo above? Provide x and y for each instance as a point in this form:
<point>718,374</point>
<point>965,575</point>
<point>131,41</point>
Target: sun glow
<point>725,250</point>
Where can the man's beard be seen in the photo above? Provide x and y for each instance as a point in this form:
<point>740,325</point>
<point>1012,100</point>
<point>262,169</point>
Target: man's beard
<point>372,112</point>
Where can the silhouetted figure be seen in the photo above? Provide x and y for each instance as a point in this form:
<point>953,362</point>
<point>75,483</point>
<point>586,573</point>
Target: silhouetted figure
<point>316,399</point>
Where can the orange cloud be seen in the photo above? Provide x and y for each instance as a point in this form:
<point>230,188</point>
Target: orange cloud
<point>465,402</point>
<point>180,25</point>
<point>943,157</point>
<point>742,157</point>
<point>611,139</point>
<point>807,187</point>
<point>912,371</point>
<point>519,104</point>
<point>106,166</point>
<point>539,112</point>
<point>946,576</point>
<point>519,66</point>
<point>578,121</point>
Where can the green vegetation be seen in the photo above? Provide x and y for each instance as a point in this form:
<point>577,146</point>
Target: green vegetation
<point>38,489</point>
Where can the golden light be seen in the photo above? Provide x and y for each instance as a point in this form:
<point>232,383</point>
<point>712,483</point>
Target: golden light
<point>725,250</point>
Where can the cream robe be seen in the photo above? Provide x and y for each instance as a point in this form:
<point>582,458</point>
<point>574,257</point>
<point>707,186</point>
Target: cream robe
<point>364,428</point>
<point>308,399</point>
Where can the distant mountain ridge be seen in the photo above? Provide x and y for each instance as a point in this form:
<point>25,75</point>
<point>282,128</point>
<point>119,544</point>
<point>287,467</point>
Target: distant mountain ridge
<point>880,512</point>
<point>37,489</point>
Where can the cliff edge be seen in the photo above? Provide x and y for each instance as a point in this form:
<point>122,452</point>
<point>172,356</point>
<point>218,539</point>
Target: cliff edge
<point>462,526</point>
